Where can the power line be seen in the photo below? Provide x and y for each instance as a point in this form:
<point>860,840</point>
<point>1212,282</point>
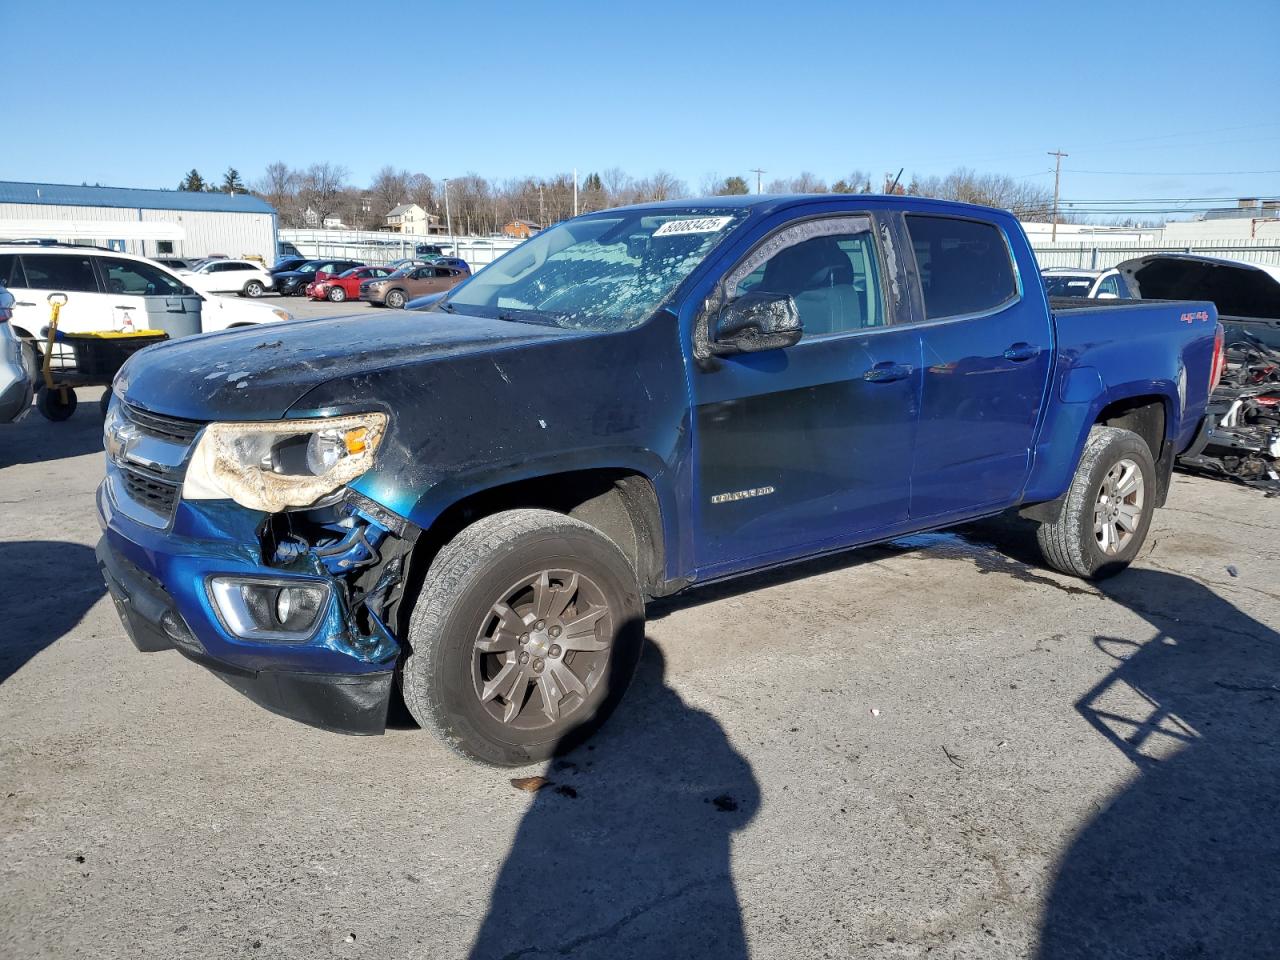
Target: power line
<point>1176,173</point>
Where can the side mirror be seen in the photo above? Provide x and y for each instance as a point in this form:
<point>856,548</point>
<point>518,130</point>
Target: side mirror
<point>755,322</point>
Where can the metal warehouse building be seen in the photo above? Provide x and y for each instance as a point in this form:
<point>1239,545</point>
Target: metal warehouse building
<point>152,223</point>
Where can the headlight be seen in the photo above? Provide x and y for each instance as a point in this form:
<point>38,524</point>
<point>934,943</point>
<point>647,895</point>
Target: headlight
<point>289,463</point>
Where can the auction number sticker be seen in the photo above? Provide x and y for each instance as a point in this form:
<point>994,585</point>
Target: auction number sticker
<point>674,228</point>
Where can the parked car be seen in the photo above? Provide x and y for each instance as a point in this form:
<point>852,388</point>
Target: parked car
<point>293,283</point>
<point>425,249</point>
<point>456,262</point>
<point>1241,439</point>
<point>176,264</point>
<point>17,374</point>
<point>346,285</point>
<point>404,262</point>
<point>243,277</point>
<point>107,290</point>
<point>403,285</point>
<point>1089,284</point>
<point>286,249</point>
<point>479,498</point>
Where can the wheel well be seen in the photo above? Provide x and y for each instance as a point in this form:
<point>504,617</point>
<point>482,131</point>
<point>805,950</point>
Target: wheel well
<point>1144,416</point>
<point>621,504</point>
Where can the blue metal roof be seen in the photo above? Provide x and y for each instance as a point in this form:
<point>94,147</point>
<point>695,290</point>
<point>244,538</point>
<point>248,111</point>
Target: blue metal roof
<point>69,195</point>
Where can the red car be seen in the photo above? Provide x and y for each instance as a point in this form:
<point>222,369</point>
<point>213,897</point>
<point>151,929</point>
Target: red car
<point>345,286</point>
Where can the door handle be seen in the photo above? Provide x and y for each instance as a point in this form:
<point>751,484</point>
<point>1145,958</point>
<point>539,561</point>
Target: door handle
<point>24,303</point>
<point>887,372</point>
<point>1021,351</point>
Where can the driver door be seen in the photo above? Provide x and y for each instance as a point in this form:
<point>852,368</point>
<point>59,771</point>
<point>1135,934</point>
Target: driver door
<point>808,447</point>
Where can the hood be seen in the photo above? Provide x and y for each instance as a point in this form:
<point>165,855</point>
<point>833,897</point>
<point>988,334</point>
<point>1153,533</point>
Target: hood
<point>258,373</point>
<point>1236,288</point>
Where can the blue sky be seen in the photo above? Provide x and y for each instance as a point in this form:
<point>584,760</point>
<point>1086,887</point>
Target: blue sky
<point>1169,99</point>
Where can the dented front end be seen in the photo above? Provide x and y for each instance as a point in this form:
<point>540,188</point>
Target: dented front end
<point>291,607</point>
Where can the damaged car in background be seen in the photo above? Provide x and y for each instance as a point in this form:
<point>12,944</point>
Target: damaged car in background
<point>1242,440</point>
<point>476,500</point>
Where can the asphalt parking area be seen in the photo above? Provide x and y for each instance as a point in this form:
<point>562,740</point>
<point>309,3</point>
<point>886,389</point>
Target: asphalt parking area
<point>933,748</point>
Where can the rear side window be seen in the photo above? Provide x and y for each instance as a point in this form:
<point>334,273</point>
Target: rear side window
<point>61,273</point>
<point>11,271</point>
<point>964,265</point>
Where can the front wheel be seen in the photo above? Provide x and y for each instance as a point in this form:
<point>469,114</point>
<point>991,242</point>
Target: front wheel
<point>254,289</point>
<point>337,294</point>
<point>396,299</point>
<point>524,638</point>
<point>1103,520</point>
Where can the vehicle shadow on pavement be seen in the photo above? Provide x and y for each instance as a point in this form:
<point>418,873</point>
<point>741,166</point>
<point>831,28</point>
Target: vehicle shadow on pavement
<point>48,587</point>
<point>37,440</point>
<point>1185,860</point>
<point>626,852</point>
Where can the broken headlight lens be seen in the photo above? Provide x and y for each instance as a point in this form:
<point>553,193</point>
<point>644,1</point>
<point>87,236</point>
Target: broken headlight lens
<point>289,463</point>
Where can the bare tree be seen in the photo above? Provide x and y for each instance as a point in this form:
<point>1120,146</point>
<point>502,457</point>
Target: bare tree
<point>1026,200</point>
<point>278,185</point>
<point>320,187</point>
<point>858,181</point>
<point>389,189</point>
<point>422,191</point>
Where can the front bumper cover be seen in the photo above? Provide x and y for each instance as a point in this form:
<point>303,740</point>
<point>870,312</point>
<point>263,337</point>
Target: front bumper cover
<point>343,703</point>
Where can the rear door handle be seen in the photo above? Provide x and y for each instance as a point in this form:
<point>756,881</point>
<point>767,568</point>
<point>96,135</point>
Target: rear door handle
<point>888,371</point>
<point>24,303</point>
<point>1022,351</point>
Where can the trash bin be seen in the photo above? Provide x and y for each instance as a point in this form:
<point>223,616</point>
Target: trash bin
<point>176,316</point>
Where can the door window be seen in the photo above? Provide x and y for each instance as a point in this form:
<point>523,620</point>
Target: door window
<point>11,271</point>
<point>828,267</point>
<point>63,273</point>
<point>139,279</point>
<point>965,265</point>
<point>1111,285</point>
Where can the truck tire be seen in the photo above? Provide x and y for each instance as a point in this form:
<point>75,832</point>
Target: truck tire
<point>524,638</point>
<point>1103,520</point>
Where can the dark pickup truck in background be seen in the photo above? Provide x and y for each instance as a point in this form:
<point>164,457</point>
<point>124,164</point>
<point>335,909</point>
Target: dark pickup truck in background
<point>478,499</point>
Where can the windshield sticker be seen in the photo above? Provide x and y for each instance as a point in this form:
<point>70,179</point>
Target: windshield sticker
<point>674,228</point>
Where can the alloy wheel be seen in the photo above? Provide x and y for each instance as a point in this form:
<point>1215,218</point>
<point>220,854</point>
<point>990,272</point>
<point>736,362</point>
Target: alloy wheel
<point>1117,513</point>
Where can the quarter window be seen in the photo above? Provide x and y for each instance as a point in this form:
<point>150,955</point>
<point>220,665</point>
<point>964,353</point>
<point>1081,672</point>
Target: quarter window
<point>61,273</point>
<point>11,271</point>
<point>964,265</point>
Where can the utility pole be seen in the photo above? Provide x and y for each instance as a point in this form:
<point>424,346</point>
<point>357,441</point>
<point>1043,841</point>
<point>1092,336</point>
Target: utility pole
<point>542,213</point>
<point>575,191</point>
<point>1057,172</point>
<point>448,220</point>
<point>757,171</point>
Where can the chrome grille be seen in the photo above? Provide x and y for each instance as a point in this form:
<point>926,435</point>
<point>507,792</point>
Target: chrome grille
<point>172,429</point>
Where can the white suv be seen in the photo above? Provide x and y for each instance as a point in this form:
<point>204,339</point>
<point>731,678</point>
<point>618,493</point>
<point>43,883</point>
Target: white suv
<point>244,277</point>
<point>106,290</point>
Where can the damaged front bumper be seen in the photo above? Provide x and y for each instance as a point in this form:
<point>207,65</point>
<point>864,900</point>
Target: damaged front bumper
<point>337,673</point>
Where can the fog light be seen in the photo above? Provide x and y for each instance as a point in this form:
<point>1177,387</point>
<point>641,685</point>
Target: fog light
<point>259,609</point>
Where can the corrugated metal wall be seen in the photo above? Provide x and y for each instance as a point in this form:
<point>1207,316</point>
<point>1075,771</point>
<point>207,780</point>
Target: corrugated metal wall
<point>205,232</point>
<point>1103,256</point>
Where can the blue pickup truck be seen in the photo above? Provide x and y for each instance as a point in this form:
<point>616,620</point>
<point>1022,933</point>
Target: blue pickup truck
<point>477,499</point>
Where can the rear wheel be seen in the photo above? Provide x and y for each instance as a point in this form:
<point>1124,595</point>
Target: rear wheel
<point>1103,520</point>
<point>396,298</point>
<point>254,288</point>
<point>53,406</point>
<point>525,637</point>
<point>337,294</point>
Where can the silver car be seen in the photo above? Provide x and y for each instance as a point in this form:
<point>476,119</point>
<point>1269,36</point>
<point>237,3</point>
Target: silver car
<point>16,379</point>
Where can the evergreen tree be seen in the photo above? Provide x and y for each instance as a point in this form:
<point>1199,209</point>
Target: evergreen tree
<point>193,182</point>
<point>231,182</point>
<point>734,187</point>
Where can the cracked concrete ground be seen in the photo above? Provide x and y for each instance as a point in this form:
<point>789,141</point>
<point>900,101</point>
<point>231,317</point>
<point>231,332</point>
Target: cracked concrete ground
<point>930,749</point>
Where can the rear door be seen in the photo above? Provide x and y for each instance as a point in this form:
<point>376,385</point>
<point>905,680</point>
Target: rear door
<point>145,296</point>
<point>987,344</point>
<point>808,447</point>
<point>43,274</point>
